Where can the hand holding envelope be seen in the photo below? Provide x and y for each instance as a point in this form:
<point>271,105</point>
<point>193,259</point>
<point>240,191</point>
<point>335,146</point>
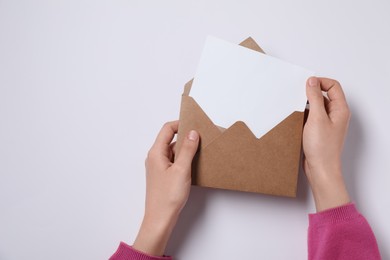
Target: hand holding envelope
<point>250,95</point>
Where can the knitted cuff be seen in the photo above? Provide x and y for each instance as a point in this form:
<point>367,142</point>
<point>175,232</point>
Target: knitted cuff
<point>126,252</point>
<point>334,215</point>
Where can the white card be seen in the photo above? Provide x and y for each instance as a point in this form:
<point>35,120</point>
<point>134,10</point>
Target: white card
<point>234,83</point>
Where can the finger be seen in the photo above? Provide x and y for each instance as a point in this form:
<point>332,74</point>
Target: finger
<point>315,97</point>
<point>188,150</point>
<point>166,134</point>
<point>326,102</point>
<point>332,88</point>
<point>173,147</point>
<point>337,101</point>
<point>172,151</point>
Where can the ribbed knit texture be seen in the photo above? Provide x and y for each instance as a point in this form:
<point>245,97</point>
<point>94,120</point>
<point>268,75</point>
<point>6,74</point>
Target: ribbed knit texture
<point>341,233</point>
<point>338,233</point>
<point>126,252</point>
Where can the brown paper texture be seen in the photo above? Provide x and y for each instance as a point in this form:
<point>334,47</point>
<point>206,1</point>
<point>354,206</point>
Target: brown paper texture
<point>234,158</point>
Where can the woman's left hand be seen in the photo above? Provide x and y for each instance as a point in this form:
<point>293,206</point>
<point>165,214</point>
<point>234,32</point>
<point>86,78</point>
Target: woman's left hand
<point>168,186</point>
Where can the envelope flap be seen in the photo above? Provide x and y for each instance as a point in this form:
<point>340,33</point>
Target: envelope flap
<point>286,133</point>
<point>251,44</point>
<point>193,117</point>
<point>187,88</point>
<point>237,160</point>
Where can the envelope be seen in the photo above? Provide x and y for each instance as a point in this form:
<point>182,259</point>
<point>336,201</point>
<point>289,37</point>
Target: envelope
<point>234,159</point>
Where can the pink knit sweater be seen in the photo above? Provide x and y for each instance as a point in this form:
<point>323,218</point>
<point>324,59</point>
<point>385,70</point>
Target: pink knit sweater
<point>338,233</point>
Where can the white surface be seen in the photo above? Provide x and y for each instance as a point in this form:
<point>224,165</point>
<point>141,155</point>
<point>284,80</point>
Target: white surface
<point>86,85</point>
<point>233,83</point>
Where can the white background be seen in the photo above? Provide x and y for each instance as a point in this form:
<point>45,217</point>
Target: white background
<point>86,85</point>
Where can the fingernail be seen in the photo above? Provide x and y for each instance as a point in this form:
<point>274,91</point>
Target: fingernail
<point>313,82</point>
<point>193,135</point>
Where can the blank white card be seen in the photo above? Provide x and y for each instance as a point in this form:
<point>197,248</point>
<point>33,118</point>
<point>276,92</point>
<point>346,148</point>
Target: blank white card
<point>234,83</point>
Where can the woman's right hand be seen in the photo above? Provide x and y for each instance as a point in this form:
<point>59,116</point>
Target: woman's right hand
<point>323,140</point>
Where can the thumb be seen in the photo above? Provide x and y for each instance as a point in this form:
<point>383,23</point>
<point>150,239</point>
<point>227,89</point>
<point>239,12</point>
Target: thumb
<point>188,149</point>
<point>315,97</point>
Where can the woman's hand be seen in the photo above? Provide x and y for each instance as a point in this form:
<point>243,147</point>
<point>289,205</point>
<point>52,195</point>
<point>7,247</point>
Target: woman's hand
<point>323,141</point>
<point>168,186</point>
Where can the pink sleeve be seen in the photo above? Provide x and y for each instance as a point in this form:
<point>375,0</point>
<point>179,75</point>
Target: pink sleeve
<point>341,233</point>
<point>126,252</point>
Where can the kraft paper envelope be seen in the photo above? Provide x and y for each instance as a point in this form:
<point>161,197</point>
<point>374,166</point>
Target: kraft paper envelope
<point>234,158</point>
